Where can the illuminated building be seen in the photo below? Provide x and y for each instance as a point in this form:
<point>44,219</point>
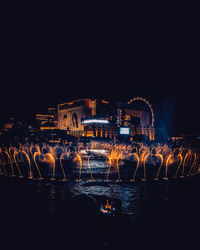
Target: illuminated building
<point>100,118</point>
<point>70,115</point>
<point>47,121</point>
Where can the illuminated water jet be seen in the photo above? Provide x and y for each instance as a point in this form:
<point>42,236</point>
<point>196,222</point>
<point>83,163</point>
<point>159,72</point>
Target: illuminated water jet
<point>161,163</point>
<point>166,166</point>
<point>138,162</point>
<point>78,157</point>
<point>63,171</point>
<point>181,159</point>
<point>145,158</point>
<point>11,164</point>
<point>30,174</point>
<point>16,153</point>
<point>38,169</point>
<point>149,161</point>
<point>52,164</point>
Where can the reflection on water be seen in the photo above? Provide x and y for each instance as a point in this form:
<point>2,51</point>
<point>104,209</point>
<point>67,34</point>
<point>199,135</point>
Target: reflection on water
<point>131,198</point>
<point>147,203</point>
<point>135,197</point>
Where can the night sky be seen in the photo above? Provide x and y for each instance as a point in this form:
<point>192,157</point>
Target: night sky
<point>47,60</point>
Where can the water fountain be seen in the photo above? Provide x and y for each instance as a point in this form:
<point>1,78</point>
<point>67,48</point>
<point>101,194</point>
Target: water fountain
<point>162,161</point>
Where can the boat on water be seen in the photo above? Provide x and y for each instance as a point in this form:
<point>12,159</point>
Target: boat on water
<point>107,209</point>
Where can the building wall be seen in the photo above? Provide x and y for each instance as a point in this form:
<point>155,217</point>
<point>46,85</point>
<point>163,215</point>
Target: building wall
<point>143,115</point>
<point>101,131</point>
<point>70,115</point>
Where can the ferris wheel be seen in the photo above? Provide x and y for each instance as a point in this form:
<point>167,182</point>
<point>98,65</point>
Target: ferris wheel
<point>147,103</point>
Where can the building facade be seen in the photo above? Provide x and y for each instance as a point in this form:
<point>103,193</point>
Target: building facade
<point>48,120</point>
<point>100,118</point>
<point>71,114</point>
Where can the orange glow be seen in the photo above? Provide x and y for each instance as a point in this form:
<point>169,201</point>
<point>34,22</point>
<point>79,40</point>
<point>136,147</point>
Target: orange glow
<point>145,158</point>
<point>41,115</point>
<point>181,159</point>
<point>106,208</point>
<point>161,157</point>
<point>184,161</point>
<point>29,163</point>
<point>89,133</point>
<point>46,128</point>
<point>138,161</point>
<point>78,157</point>
<point>34,158</point>
<point>52,163</point>
<point>64,176</point>
<point>127,117</point>
<point>168,161</point>
<point>11,164</point>
<point>103,101</point>
<point>16,153</point>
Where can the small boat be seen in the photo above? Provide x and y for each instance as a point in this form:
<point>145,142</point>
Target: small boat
<point>107,209</point>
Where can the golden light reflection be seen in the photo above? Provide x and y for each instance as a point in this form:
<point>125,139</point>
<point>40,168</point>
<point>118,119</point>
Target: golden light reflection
<point>166,162</point>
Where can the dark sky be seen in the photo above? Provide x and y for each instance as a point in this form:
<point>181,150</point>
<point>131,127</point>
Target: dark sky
<point>48,59</point>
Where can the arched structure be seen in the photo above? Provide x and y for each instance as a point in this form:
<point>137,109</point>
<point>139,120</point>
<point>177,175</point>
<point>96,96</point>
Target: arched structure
<point>147,103</point>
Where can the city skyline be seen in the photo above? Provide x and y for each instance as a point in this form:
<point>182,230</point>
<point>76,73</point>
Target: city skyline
<point>40,70</point>
<point>170,109</point>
